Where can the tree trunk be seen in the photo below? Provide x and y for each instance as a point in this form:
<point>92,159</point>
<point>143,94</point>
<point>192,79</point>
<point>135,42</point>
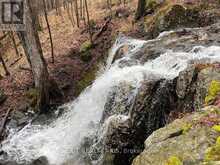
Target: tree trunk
<point>49,30</point>
<point>77,12</point>
<point>35,13</point>
<point>140,9</point>
<point>14,43</point>
<point>87,12</point>
<point>31,43</point>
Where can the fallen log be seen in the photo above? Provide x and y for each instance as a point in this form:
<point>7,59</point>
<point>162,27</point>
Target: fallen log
<point>13,63</point>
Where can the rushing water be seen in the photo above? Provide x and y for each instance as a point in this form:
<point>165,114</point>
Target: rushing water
<point>61,140</point>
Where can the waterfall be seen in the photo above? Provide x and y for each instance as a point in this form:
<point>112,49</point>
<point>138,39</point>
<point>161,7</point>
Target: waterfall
<point>61,140</point>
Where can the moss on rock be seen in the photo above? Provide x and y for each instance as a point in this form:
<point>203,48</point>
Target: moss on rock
<point>85,53</point>
<point>86,80</point>
<point>199,145</point>
<point>174,160</point>
<point>213,153</point>
<point>216,128</point>
<point>213,91</point>
<point>32,96</point>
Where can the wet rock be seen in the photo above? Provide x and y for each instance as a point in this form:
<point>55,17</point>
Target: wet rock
<point>118,102</point>
<point>146,113</point>
<point>132,121</point>
<point>186,89</point>
<point>18,118</point>
<point>185,81</point>
<point>3,97</point>
<point>40,161</point>
<point>186,140</point>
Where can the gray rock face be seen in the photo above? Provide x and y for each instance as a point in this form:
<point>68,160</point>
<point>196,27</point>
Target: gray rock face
<point>185,139</point>
<point>147,113</point>
<point>184,81</point>
<point>205,77</point>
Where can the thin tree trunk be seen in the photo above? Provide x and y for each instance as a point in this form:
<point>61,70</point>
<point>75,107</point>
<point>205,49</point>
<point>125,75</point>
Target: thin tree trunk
<point>49,30</point>
<point>14,43</point>
<point>83,12</point>
<point>72,13</point>
<point>87,12</point>
<point>69,15</point>
<point>77,13</point>
<point>140,9</point>
<point>7,73</point>
<point>34,6</point>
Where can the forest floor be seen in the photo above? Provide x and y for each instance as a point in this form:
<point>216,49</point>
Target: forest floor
<point>71,73</point>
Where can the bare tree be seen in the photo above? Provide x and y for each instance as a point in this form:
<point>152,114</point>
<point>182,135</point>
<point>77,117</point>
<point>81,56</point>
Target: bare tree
<point>49,30</point>
<point>31,43</point>
<point>88,19</point>
<point>76,12</point>
<point>140,9</point>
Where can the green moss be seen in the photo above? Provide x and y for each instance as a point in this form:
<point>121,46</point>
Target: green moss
<point>86,56</point>
<point>86,80</point>
<point>86,46</point>
<point>216,128</point>
<point>173,160</point>
<point>186,128</point>
<point>218,141</point>
<point>32,96</point>
<point>213,91</point>
<point>152,5</point>
<point>213,153</point>
<point>85,53</point>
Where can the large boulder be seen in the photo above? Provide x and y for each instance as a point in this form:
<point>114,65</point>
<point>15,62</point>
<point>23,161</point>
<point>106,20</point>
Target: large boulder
<point>133,115</point>
<point>193,140</point>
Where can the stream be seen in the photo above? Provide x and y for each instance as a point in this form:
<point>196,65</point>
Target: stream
<point>63,141</point>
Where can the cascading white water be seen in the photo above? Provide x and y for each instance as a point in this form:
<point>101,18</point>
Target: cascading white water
<point>60,141</point>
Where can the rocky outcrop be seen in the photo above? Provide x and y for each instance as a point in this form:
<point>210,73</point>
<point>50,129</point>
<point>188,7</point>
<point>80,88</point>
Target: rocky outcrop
<point>133,115</point>
<point>147,111</point>
<point>175,15</point>
<point>192,140</point>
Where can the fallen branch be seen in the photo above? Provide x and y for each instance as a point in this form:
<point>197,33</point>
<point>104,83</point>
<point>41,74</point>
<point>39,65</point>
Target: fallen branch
<point>4,122</point>
<point>25,69</point>
<point>5,35</point>
<point>13,63</point>
<point>104,28</point>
